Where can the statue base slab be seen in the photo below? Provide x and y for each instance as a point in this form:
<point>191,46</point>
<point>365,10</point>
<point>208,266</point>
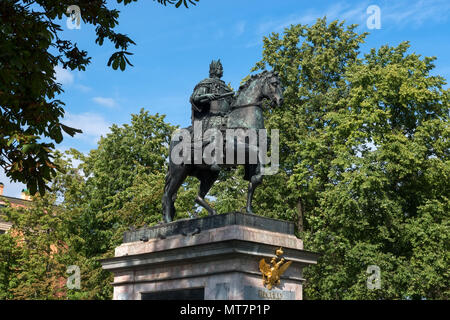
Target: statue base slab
<point>212,258</point>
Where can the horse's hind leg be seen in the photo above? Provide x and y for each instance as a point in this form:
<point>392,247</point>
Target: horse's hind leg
<point>174,179</point>
<point>255,181</point>
<point>207,179</point>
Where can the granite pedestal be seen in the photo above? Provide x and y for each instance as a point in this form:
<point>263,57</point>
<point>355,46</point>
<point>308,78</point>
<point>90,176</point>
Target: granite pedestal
<point>210,258</point>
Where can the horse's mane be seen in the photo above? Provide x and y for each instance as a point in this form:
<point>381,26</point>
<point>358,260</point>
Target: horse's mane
<point>253,77</point>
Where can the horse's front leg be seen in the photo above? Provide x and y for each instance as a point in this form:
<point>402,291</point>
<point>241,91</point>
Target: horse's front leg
<point>255,181</point>
<point>207,179</point>
<point>201,201</point>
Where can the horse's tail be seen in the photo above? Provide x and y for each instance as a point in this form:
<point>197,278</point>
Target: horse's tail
<point>168,180</point>
<point>165,199</point>
<point>168,206</point>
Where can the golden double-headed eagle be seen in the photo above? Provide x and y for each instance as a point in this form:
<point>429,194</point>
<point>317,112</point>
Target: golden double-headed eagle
<point>272,272</point>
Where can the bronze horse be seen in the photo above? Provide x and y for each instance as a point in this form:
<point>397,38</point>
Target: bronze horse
<point>245,113</point>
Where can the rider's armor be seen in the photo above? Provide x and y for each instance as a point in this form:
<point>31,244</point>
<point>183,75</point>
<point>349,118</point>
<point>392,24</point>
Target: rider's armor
<point>213,113</point>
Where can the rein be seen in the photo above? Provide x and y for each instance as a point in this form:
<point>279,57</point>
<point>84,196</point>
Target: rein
<point>223,114</point>
<point>255,104</point>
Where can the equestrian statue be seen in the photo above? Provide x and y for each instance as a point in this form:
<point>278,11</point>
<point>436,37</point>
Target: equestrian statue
<point>216,108</point>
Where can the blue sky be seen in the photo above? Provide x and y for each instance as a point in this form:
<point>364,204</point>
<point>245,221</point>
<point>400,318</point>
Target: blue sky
<point>175,46</point>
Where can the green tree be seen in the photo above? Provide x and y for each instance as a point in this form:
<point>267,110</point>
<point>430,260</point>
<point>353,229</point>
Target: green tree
<point>33,253</point>
<point>365,160</point>
<point>30,48</point>
<point>116,187</point>
<point>311,63</point>
<point>128,151</point>
<point>9,264</point>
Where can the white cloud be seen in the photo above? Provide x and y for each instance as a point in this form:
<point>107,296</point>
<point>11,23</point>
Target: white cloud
<point>11,189</point>
<point>84,88</point>
<point>393,14</point>
<point>93,125</point>
<point>350,13</point>
<point>63,76</point>
<point>239,28</point>
<point>106,102</point>
<point>414,14</point>
<point>69,157</point>
<point>219,34</point>
<point>277,25</point>
<point>339,11</point>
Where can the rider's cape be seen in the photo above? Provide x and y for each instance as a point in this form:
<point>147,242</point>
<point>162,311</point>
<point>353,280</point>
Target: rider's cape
<point>212,86</point>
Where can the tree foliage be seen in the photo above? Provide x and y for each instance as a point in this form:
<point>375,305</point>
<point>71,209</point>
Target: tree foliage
<point>115,187</point>
<point>33,254</point>
<point>365,155</point>
<point>128,153</point>
<point>364,174</point>
<point>31,46</point>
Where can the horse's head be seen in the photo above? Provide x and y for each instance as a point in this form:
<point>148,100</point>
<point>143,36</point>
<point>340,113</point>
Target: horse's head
<point>271,88</point>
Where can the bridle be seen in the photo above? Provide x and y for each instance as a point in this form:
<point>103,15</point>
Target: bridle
<point>254,104</point>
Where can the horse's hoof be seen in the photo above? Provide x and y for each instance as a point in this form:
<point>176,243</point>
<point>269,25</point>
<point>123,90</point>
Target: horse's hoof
<point>215,167</point>
<point>250,212</point>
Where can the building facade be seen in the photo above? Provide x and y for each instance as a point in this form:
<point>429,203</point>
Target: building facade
<point>23,201</point>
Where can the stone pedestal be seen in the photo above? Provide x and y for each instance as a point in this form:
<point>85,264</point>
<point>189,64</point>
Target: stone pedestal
<point>210,258</point>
